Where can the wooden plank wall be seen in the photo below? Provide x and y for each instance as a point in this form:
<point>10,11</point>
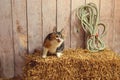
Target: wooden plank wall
<point>25,23</point>
<point>77,39</point>
<point>19,33</point>
<point>34,18</point>
<point>6,39</point>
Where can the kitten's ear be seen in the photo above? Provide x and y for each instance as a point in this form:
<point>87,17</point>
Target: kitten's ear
<point>55,29</point>
<point>63,32</point>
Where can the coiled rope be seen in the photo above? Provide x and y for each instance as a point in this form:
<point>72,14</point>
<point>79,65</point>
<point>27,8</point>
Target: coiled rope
<point>89,17</point>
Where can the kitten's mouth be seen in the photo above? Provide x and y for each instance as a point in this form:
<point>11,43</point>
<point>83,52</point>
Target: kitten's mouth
<point>58,40</point>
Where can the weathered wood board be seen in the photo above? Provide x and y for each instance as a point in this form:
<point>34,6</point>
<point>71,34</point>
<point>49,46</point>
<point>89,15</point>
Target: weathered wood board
<point>63,19</point>
<point>20,33</point>
<point>106,17</point>
<point>116,28</point>
<point>77,38</point>
<point>48,16</point>
<point>6,40</point>
<point>35,38</point>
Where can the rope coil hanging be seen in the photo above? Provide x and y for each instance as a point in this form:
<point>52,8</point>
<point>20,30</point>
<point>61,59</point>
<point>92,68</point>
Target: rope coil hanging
<point>89,17</point>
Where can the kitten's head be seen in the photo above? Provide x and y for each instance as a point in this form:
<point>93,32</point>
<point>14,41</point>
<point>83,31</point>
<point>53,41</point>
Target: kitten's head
<point>58,35</point>
<point>55,38</point>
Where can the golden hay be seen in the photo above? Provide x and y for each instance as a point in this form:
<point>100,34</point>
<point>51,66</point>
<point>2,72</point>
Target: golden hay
<point>75,64</point>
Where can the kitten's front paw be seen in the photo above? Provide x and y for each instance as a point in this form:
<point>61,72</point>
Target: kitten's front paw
<point>44,56</point>
<point>59,54</point>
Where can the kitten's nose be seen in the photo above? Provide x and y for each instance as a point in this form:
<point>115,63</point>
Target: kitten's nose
<point>58,40</point>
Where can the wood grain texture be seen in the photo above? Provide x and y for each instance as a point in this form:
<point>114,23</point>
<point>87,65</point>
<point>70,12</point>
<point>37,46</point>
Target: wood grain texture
<point>97,2</point>
<point>49,16</point>
<point>106,9</point>
<point>34,24</point>
<point>107,16</point>
<point>20,33</point>
<point>63,19</point>
<point>6,41</point>
<point>77,38</point>
<point>117,26</point>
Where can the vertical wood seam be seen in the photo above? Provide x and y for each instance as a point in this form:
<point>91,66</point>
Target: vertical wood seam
<point>113,16</point>
<point>42,22</point>
<point>113,23</point>
<point>56,12</point>
<point>99,8</point>
<point>70,24</point>
<point>13,36</point>
<point>113,8</point>
<point>85,33</point>
<point>113,4</point>
<point>70,21</point>
<point>27,28</point>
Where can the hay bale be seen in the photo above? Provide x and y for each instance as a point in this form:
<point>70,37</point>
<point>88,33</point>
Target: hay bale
<point>75,64</point>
